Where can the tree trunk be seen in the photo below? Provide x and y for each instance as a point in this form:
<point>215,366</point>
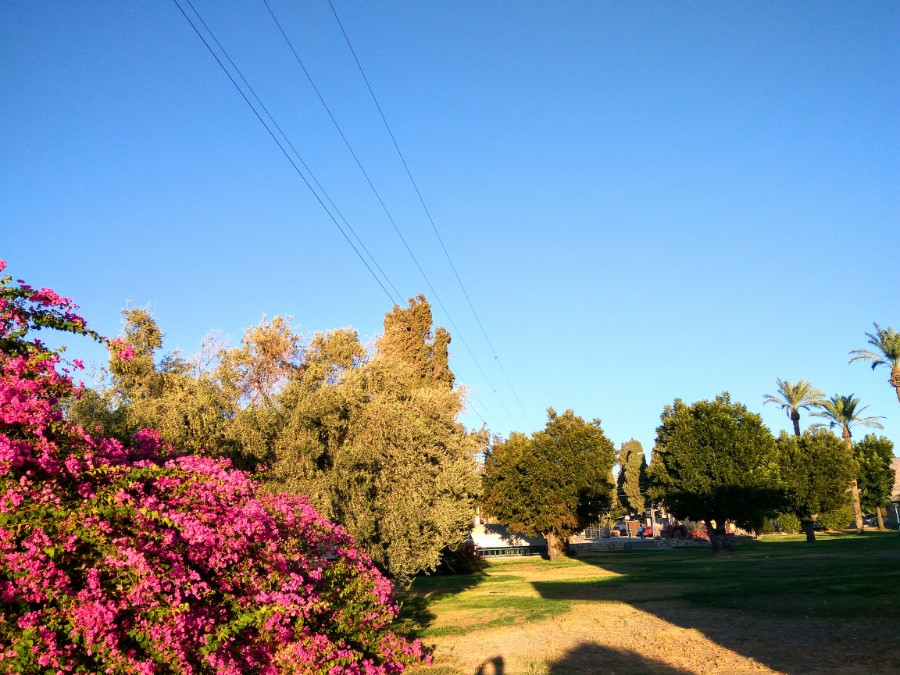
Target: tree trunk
<point>854,488</point>
<point>895,380</point>
<point>857,509</point>
<point>880,517</point>
<point>556,546</point>
<point>809,529</point>
<point>718,537</point>
<point>795,418</point>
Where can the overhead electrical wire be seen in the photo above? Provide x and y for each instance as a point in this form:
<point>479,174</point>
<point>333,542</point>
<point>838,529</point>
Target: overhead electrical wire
<point>425,207</point>
<point>287,140</point>
<point>278,143</point>
<point>434,293</point>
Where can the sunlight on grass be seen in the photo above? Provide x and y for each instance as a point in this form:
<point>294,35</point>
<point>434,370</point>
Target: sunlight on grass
<point>837,596</point>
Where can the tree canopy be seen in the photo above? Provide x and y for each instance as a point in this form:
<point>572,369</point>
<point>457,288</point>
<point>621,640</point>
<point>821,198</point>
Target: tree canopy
<point>875,455</point>
<point>632,481</point>
<point>814,471</point>
<point>372,438</point>
<point>844,412</point>
<point>714,462</point>
<point>792,398</point>
<point>552,484</point>
<point>886,342</point>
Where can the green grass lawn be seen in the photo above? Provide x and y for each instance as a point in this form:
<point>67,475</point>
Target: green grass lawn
<point>841,583</point>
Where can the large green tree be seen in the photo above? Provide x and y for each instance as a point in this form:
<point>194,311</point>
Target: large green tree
<point>875,455</point>
<point>632,480</point>
<point>792,398</point>
<point>814,470</point>
<point>381,452</point>
<point>714,461</point>
<point>886,342</point>
<point>844,412</point>
<point>552,484</point>
<point>372,438</point>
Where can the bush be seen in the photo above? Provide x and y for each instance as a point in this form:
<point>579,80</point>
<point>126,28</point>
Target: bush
<point>137,559</point>
<point>697,531</point>
<point>767,527</point>
<point>788,523</point>
<point>464,559</point>
<point>838,519</point>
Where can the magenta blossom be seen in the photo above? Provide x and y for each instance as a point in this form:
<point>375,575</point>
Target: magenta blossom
<point>136,558</point>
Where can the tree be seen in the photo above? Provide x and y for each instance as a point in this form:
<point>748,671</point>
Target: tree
<point>875,455</point>
<point>814,471</point>
<point>408,336</point>
<point>793,397</point>
<point>376,443</point>
<point>178,397</point>
<point>138,557</point>
<point>844,412</point>
<point>887,345</point>
<point>714,462</point>
<point>553,484</point>
<point>381,452</point>
<point>632,478</point>
<point>373,440</point>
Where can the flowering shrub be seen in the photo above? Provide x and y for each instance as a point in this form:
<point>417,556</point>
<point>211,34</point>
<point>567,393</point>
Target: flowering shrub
<point>137,559</point>
<point>698,531</point>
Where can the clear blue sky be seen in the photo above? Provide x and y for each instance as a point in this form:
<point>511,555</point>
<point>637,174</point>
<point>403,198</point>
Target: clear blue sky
<point>644,200</point>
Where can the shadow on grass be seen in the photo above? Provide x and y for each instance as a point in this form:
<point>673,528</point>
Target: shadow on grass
<point>415,602</point>
<point>790,605</point>
<point>589,658</point>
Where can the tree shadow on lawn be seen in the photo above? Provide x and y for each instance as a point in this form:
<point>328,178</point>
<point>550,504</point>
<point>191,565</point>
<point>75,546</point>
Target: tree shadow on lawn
<point>792,606</point>
<point>589,658</point>
<point>415,602</point>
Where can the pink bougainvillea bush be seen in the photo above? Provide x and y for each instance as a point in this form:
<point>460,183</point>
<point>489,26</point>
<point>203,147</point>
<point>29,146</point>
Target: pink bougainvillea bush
<point>137,559</point>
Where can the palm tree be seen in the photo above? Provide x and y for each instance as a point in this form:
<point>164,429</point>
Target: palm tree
<point>843,412</point>
<point>792,397</point>
<point>887,343</point>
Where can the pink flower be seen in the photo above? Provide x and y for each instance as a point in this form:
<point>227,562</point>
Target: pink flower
<point>150,559</point>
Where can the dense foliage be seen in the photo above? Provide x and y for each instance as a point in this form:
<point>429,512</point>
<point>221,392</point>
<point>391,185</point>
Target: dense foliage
<point>814,471</point>
<point>714,461</point>
<point>844,412</point>
<point>875,456</point>
<point>136,558</point>
<point>632,482</point>
<point>371,438</point>
<point>553,484</point>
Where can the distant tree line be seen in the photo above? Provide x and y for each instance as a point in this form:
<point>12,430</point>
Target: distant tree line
<point>713,461</point>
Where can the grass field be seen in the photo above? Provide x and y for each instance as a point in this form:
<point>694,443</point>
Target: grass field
<point>777,605</point>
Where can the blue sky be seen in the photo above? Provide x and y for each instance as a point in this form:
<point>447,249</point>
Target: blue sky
<point>644,201</point>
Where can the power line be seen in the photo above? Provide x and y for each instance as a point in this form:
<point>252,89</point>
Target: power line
<point>425,207</point>
<point>384,207</point>
<point>289,143</point>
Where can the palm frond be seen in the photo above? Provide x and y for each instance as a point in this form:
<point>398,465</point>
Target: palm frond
<point>844,411</point>
<point>794,396</point>
<point>886,342</point>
